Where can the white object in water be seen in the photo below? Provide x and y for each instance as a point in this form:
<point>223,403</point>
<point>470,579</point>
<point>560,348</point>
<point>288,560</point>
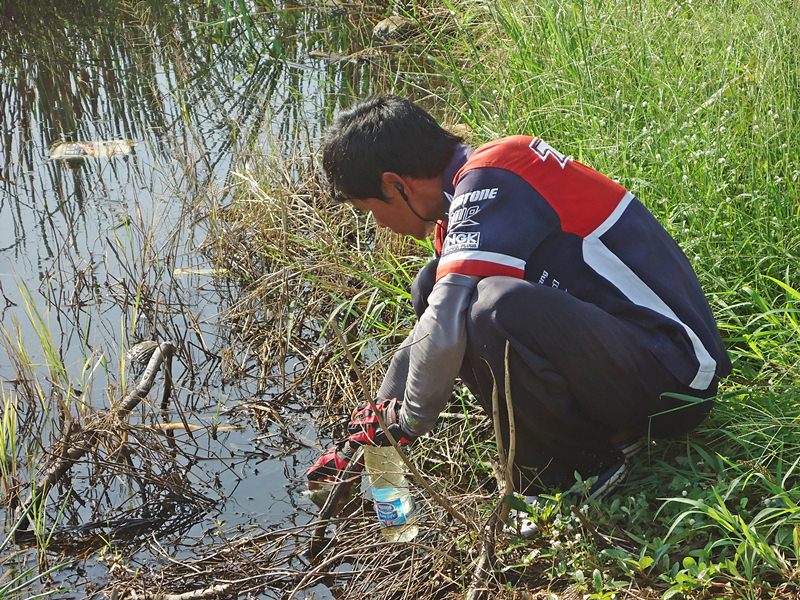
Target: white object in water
<point>90,149</point>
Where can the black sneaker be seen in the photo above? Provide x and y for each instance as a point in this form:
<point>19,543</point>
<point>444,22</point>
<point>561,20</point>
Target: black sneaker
<point>609,479</point>
<point>523,525</point>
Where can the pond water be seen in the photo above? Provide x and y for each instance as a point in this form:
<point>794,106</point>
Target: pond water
<point>100,252</point>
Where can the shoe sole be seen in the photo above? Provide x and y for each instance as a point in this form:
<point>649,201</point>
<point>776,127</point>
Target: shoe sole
<point>611,483</point>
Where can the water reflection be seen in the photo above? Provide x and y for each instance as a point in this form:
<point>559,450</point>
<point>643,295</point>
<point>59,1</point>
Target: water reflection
<point>96,241</point>
<point>153,72</point>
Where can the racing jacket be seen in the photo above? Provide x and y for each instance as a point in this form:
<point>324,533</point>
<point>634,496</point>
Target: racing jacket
<point>518,208</point>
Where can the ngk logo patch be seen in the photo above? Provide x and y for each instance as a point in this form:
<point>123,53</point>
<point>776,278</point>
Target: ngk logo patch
<point>462,241</point>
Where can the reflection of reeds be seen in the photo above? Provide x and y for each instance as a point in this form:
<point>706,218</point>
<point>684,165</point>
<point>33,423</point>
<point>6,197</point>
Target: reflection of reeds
<point>159,73</point>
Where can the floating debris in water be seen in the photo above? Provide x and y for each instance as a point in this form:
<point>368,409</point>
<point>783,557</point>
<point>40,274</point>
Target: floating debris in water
<point>219,272</point>
<point>91,149</point>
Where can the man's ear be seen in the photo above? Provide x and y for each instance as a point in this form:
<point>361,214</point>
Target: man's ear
<point>390,184</point>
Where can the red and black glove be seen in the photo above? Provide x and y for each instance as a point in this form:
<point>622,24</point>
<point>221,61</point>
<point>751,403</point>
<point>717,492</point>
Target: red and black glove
<point>365,430</point>
<point>331,464</point>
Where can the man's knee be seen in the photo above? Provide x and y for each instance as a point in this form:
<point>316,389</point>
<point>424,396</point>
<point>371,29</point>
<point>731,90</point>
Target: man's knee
<point>503,302</point>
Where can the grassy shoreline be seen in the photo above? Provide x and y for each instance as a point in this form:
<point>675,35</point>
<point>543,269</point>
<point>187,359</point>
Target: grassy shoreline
<point>694,107</point>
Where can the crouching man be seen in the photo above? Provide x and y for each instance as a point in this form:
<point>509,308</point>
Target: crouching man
<point>604,317</point>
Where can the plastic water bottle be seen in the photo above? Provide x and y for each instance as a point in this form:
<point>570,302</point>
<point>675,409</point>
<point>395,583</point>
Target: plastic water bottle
<point>391,497</point>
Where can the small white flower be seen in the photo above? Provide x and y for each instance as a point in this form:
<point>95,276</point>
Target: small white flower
<point>684,493</point>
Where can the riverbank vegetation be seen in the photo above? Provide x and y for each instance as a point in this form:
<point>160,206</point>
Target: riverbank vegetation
<point>694,106</point>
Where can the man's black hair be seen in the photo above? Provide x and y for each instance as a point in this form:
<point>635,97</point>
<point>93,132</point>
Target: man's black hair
<point>378,134</point>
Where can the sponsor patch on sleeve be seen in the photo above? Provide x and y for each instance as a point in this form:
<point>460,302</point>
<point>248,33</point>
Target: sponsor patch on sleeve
<point>461,240</point>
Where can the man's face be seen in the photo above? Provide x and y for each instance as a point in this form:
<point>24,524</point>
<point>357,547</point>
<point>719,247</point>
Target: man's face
<point>396,215</point>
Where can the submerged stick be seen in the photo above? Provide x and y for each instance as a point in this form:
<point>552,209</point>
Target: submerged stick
<point>214,591</point>
<point>78,442</point>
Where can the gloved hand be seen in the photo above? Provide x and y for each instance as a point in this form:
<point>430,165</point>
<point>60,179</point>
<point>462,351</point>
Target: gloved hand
<point>365,430</point>
<point>331,464</point>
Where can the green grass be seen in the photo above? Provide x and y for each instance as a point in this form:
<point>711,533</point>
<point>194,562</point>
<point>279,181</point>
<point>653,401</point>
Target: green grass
<point>694,107</point>
<point>18,580</point>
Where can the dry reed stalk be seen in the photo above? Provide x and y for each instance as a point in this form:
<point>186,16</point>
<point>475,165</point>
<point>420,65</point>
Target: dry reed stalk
<point>214,591</point>
<point>505,485</point>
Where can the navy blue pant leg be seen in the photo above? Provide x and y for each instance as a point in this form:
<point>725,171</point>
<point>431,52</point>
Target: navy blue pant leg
<point>578,375</point>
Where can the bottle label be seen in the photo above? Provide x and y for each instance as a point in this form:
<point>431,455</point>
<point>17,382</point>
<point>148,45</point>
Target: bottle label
<point>393,512</point>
